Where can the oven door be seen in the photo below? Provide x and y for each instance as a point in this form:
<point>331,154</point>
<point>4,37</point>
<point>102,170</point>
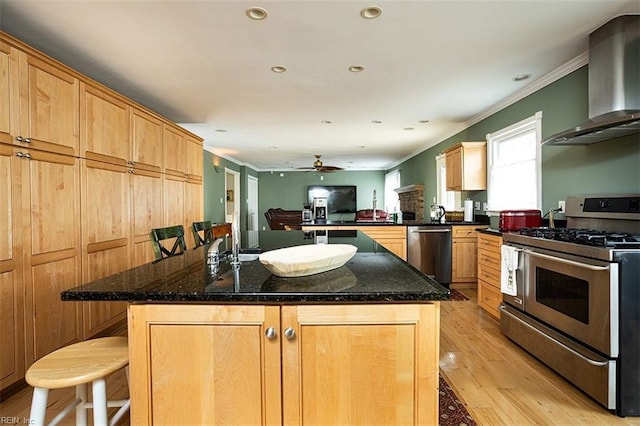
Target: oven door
<point>577,296</point>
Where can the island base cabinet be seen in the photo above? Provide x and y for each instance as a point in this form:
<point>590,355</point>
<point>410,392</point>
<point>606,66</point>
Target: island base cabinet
<point>295,364</point>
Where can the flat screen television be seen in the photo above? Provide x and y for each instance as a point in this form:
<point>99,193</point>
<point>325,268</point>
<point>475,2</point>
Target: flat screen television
<point>340,198</point>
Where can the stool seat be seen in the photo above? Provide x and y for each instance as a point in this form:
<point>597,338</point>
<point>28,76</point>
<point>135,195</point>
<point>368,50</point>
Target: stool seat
<point>79,363</point>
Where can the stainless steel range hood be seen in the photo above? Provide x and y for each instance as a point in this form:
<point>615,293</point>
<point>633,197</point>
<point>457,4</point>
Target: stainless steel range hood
<point>614,85</point>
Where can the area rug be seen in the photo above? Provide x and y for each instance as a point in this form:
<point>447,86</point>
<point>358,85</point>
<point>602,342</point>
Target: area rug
<point>452,410</point>
<point>456,296</point>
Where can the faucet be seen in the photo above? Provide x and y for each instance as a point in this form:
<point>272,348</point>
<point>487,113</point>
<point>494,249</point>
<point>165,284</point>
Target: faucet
<point>235,245</point>
<point>213,255</point>
<point>375,201</point>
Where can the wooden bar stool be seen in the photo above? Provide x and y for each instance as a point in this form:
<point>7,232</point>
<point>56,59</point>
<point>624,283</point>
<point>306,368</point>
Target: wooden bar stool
<point>77,365</point>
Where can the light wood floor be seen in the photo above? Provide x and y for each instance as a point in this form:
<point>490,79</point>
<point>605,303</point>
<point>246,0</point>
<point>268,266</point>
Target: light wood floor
<point>499,383</point>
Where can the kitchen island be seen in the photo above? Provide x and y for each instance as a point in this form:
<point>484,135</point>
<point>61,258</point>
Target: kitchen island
<point>355,345</point>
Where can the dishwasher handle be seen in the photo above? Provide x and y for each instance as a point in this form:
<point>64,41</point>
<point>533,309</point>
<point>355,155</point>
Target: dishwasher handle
<point>430,231</point>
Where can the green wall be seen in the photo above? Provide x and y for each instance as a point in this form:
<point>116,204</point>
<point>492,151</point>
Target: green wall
<point>289,191</point>
<point>608,167</point>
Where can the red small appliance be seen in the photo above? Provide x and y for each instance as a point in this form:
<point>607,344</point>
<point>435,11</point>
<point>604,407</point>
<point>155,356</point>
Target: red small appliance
<point>514,220</point>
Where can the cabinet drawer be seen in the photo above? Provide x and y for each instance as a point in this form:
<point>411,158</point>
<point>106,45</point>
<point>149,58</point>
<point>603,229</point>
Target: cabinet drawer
<point>464,232</point>
<point>489,242</point>
<point>377,232</point>
<point>489,298</point>
<point>489,275</point>
<point>491,258</point>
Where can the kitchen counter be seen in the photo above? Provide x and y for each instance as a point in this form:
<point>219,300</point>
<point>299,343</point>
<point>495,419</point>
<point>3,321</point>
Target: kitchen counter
<point>262,349</point>
<point>372,275</point>
<point>351,223</point>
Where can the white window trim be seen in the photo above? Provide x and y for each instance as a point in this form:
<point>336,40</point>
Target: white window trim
<point>535,121</point>
<point>390,196</point>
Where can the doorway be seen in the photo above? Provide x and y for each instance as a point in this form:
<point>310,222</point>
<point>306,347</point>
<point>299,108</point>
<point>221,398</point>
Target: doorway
<point>252,212</point>
<point>232,196</point>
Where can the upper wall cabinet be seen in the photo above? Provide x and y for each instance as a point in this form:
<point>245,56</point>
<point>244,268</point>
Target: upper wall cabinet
<point>48,109</point>
<point>105,126</point>
<point>466,165</point>
<point>182,154</point>
<point>146,139</point>
<point>5,89</point>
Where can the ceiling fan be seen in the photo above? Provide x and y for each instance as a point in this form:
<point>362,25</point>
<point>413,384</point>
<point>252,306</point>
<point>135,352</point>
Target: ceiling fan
<point>319,166</point>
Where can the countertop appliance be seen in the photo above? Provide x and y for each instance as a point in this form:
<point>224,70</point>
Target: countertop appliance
<point>514,220</point>
<point>319,209</point>
<point>437,213</point>
<point>577,298</point>
<point>429,250</point>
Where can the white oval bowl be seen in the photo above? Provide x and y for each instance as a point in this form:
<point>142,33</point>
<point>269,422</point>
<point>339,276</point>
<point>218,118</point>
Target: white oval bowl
<point>309,259</point>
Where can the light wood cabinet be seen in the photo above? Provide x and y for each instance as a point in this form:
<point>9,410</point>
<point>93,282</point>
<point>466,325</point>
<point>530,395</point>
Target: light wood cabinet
<point>489,265</point>
<point>464,254</point>
<point>12,344</point>
<point>466,165</point>
<point>393,238</point>
<point>50,209</point>
<point>80,189</point>
<point>356,364</point>
<point>48,107</point>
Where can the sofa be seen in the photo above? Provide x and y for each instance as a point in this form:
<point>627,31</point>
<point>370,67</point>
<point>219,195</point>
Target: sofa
<point>283,219</point>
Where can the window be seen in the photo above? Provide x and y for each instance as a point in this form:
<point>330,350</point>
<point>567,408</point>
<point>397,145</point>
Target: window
<point>513,166</point>
<point>391,182</point>
<point>450,200</point>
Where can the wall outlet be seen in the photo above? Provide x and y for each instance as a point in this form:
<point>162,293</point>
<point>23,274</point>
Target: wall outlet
<point>484,206</point>
<point>476,205</point>
<point>561,206</point>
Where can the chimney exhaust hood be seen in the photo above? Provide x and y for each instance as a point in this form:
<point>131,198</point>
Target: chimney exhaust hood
<point>614,85</point>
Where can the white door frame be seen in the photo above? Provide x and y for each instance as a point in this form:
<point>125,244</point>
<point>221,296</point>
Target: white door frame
<point>234,185</point>
<point>252,211</point>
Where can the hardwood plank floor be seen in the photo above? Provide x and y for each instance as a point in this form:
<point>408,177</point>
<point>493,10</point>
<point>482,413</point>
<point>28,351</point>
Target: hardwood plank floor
<point>499,382</point>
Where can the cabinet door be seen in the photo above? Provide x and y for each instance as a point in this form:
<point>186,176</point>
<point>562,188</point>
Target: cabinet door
<point>12,355</point>
<point>5,91</point>
<point>146,140</point>
<point>453,162</point>
<point>50,116</point>
<point>174,190</point>
<point>146,213</point>
<point>105,132</point>
<point>465,260</point>
<point>194,156</point>
<point>105,236</point>
<point>174,148</point>
<point>204,365</point>
<point>50,211</point>
<point>193,208</point>
<point>350,364</point>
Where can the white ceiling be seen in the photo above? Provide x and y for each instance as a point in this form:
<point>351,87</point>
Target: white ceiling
<point>204,64</point>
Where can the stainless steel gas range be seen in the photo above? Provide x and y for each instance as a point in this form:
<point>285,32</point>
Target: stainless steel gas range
<point>573,297</point>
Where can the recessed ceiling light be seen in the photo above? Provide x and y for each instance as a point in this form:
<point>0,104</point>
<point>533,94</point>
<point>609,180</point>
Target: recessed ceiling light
<point>521,77</point>
<point>409,128</point>
<point>326,122</point>
<point>279,69</point>
<point>273,147</point>
<point>423,121</point>
<point>220,130</point>
<point>360,146</point>
<point>356,68</point>
<point>371,12</point>
<point>376,121</point>
<point>256,13</point>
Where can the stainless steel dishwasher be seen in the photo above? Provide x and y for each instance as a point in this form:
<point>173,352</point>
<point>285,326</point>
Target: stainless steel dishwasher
<point>429,250</point>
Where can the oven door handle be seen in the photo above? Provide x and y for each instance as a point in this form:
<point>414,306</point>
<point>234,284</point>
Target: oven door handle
<point>569,262</point>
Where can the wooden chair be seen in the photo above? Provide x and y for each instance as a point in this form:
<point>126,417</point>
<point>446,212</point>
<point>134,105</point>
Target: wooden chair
<point>207,233</point>
<point>77,365</point>
<point>160,234</point>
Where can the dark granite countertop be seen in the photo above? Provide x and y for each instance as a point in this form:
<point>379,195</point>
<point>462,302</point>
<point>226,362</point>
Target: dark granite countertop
<point>347,223</point>
<point>373,275</point>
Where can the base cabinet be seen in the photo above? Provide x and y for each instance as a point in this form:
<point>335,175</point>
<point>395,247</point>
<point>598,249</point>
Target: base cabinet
<point>294,364</point>
<point>464,255</point>
<point>489,259</point>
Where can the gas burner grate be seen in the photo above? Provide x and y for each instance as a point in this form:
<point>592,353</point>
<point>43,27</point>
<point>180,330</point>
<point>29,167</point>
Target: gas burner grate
<point>589,237</point>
